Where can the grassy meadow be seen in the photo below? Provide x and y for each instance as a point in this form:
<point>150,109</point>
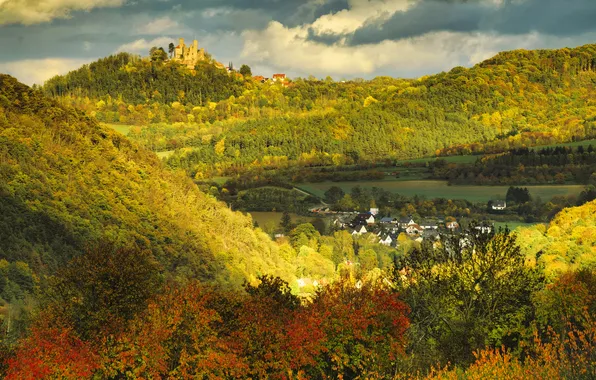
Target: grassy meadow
<point>440,189</point>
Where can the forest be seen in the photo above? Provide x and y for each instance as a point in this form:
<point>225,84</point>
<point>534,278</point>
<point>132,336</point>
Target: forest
<point>524,166</point>
<point>516,99</point>
<point>115,264</point>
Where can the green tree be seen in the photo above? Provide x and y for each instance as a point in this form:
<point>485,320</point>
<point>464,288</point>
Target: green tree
<point>471,291</point>
<point>334,194</point>
<point>100,291</point>
<point>286,222</point>
<point>245,71</point>
<point>171,49</point>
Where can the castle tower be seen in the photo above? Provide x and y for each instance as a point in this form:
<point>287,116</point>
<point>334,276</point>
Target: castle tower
<point>179,51</point>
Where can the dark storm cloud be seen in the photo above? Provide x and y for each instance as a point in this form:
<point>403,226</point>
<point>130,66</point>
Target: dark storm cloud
<point>99,32</point>
<point>511,17</point>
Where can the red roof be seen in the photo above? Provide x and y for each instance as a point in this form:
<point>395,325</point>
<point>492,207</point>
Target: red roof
<point>279,75</point>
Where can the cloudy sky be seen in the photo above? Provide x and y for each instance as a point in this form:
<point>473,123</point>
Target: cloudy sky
<point>341,38</point>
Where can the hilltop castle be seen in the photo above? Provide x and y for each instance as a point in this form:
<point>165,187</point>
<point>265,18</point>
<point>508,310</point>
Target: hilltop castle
<point>188,55</point>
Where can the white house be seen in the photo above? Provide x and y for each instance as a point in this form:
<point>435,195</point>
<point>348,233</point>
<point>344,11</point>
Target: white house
<point>499,205</point>
<point>359,230</point>
<point>414,229</point>
<point>484,229</point>
<point>405,222</point>
<point>386,240</point>
<point>428,225</point>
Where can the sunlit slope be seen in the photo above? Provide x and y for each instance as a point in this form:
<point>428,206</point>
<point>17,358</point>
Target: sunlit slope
<point>67,183</point>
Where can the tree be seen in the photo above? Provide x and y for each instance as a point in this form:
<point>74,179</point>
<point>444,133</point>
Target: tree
<point>157,54</point>
<point>100,291</point>
<point>245,71</point>
<point>274,289</point>
<point>471,291</point>
<point>171,49</point>
<point>52,353</point>
<point>304,234</point>
<point>286,222</point>
<point>334,194</point>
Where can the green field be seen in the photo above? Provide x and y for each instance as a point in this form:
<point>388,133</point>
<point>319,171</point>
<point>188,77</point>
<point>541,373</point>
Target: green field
<point>469,159</point>
<point>124,129</point>
<point>440,189</point>
<point>575,144</point>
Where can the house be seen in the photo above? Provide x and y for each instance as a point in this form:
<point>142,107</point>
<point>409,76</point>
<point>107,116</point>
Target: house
<point>365,218</point>
<point>499,205</point>
<point>428,225</point>
<point>431,234</point>
<point>405,222</point>
<point>279,77</point>
<point>359,230</point>
<point>387,220</point>
<point>452,225</point>
<point>374,211</point>
<point>259,78</point>
<point>484,228</point>
<point>386,240</point>
<point>414,229</point>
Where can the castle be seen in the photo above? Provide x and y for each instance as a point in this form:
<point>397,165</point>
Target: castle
<point>188,55</point>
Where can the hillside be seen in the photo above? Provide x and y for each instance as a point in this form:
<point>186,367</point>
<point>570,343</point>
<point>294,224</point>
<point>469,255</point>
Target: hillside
<point>567,243</point>
<point>514,99</point>
<point>68,184</point>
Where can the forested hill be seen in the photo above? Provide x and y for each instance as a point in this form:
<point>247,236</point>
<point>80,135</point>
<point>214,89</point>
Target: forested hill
<point>137,81</point>
<point>67,184</point>
<point>516,98</point>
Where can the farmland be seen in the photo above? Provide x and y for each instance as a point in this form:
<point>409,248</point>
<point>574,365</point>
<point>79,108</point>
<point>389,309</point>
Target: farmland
<point>440,189</point>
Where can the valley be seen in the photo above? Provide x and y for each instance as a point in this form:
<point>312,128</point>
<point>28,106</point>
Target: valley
<point>171,217</point>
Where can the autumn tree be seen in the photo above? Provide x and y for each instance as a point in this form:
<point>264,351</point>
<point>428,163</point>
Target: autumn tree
<point>100,291</point>
<point>471,291</point>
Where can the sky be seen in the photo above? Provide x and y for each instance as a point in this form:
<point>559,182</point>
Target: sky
<point>343,39</point>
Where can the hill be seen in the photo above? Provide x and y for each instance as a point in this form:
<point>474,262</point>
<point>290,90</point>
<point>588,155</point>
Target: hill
<point>567,243</point>
<point>514,99</point>
<point>67,184</point>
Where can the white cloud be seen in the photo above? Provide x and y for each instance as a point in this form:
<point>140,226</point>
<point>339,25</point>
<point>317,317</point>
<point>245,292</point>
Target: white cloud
<point>290,50</point>
<point>159,25</point>
<point>142,45</point>
<point>38,11</point>
<point>37,71</point>
<point>359,12</point>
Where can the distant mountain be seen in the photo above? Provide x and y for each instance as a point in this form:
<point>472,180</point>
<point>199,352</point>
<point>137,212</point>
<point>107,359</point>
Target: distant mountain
<point>67,183</point>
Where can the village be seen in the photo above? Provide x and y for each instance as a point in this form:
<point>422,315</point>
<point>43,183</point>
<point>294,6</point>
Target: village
<point>391,231</point>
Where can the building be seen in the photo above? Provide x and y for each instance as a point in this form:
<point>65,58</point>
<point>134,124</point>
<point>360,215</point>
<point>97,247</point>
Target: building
<point>405,222</point>
<point>359,230</point>
<point>414,229</point>
<point>429,225</point>
<point>452,225</point>
<point>365,219</point>
<point>386,240</point>
<point>279,77</point>
<point>188,55</point>
<point>499,205</point>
